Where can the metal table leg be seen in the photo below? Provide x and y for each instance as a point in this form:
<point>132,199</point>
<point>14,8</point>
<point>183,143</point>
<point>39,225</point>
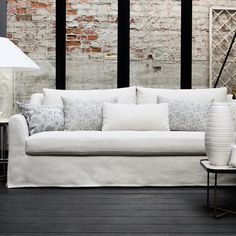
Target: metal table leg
<point>212,202</point>
<point>208,189</point>
<point>215,196</point>
<point>3,151</point>
<point>215,208</point>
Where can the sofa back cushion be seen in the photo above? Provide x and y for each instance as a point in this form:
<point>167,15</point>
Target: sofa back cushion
<point>149,95</point>
<point>145,117</point>
<point>124,95</point>
<point>36,99</point>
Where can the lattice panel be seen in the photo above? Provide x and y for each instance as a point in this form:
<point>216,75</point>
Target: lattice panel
<point>222,30</point>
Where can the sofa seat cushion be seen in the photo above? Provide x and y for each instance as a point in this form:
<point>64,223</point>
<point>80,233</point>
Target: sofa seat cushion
<point>104,143</point>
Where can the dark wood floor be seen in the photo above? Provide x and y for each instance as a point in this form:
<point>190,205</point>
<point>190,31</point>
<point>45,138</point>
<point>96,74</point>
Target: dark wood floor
<point>112,211</point>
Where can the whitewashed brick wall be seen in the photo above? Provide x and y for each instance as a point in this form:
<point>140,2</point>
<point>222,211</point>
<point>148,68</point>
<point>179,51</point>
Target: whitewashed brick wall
<point>92,42</point>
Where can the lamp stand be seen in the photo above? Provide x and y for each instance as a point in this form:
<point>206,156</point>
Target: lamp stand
<point>6,93</point>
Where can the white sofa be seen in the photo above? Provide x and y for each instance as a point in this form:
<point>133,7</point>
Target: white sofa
<point>108,158</point>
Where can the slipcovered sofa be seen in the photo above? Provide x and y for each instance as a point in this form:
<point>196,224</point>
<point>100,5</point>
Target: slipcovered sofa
<point>108,158</point>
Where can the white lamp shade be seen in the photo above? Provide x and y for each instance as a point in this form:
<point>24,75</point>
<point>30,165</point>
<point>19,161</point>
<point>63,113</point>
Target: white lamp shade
<point>11,57</point>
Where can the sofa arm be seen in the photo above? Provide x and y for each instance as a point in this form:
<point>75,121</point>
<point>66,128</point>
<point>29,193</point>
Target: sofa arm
<point>18,132</point>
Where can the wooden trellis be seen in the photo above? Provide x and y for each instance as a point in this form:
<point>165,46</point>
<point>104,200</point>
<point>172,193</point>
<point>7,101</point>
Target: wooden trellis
<point>222,31</point>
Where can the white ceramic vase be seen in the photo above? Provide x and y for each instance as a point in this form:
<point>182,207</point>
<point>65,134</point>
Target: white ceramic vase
<point>220,134</point>
<point>233,156</point>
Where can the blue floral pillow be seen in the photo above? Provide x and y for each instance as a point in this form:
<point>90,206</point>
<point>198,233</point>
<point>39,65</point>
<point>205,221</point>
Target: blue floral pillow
<point>42,118</point>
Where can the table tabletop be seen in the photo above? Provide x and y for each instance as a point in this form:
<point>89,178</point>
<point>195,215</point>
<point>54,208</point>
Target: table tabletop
<point>4,121</point>
<point>217,169</point>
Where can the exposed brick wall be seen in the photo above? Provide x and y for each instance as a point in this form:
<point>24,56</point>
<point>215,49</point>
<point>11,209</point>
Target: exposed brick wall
<point>91,26</point>
<point>92,42</point>
<point>31,25</point>
<point>155,42</point>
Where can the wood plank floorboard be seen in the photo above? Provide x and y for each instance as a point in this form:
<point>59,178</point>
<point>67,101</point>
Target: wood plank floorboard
<point>113,212</point>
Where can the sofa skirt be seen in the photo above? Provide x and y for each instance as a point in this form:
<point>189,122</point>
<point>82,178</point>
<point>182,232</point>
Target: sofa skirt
<point>96,171</point>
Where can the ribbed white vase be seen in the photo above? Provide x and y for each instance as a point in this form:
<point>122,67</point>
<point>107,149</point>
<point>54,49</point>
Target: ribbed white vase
<point>220,134</point>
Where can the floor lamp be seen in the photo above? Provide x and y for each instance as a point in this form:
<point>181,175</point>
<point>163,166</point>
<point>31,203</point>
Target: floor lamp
<point>12,60</point>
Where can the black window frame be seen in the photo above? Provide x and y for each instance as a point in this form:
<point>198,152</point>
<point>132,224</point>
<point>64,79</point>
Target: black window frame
<point>3,18</point>
<point>60,44</point>
<point>186,44</point>
<point>123,64</point>
<point>123,48</point>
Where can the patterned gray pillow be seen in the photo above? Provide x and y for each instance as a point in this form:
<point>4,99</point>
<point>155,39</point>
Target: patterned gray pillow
<point>42,118</point>
<point>185,115</point>
<point>81,114</point>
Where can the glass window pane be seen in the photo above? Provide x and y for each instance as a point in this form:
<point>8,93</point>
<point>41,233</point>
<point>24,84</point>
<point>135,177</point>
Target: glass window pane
<point>222,23</point>
<point>155,43</point>
<point>91,44</point>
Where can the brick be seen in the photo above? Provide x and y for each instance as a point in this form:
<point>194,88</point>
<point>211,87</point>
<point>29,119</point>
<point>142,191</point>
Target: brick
<point>89,31</point>
<point>72,12</point>
<point>39,5</point>
<point>73,43</point>
<point>12,11</point>
<point>51,49</point>
<point>24,18</point>
<point>71,37</point>
<point>21,11</point>
<point>10,35</point>
<point>74,31</point>
<point>82,37</point>
<point>92,37</point>
<point>96,49</point>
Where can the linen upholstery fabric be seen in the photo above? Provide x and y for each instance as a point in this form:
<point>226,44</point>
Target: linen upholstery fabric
<point>36,99</point>
<point>90,171</point>
<point>187,116</point>
<point>125,95</point>
<point>147,117</point>
<point>149,95</point>
<point>83,114</point>
<point>128,143</point>
<point>42,118</point>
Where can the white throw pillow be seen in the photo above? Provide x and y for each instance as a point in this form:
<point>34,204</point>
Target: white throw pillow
<point>148,117</point>
<point>124,95</point>
<point>149,95</point>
